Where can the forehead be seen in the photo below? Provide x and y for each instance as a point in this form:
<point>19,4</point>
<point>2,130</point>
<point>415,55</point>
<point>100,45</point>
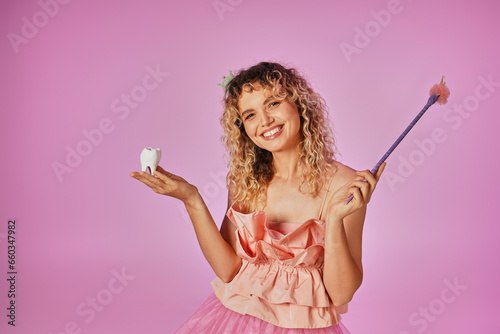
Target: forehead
<point>250,99</point>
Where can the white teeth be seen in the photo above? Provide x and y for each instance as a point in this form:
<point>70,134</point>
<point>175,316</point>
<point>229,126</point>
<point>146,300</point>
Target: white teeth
<point>272,132</point>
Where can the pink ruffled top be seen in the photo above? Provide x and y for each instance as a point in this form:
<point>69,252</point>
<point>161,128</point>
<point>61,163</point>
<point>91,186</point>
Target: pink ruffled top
<point>280,280</point>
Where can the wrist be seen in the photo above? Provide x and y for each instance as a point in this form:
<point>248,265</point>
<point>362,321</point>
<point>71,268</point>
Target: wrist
<point>194,199</point>
<point>334,233</point>
<point>332,218</point>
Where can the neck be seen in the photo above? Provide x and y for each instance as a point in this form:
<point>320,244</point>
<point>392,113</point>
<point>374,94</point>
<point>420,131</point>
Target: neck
<point>286,164</point>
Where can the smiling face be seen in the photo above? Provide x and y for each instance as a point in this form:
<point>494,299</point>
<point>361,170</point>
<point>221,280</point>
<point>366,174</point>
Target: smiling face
<point>271,123</point>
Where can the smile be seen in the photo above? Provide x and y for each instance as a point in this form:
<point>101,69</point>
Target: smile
<point>273,133</point>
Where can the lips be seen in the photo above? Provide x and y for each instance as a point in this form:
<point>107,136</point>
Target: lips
<point>273,132</point>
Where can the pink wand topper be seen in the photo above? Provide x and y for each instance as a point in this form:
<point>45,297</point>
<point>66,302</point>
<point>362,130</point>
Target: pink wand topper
<point>439,93</point>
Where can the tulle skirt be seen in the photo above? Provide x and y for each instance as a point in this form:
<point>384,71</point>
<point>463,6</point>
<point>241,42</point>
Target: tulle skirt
<point>214,318</point>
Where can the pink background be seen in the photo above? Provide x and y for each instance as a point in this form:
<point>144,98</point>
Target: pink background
<point>430,222</point>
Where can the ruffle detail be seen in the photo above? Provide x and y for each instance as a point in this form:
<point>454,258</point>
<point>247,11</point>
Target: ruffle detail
<point>280,280</point>
<point>279,284</point>
<point>255,242</point>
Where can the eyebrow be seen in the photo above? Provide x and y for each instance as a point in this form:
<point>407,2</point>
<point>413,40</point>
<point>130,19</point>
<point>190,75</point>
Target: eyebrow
<point>263,103</point>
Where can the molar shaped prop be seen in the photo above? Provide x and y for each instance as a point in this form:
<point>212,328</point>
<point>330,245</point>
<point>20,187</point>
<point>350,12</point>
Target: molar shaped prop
<point>150,158</point>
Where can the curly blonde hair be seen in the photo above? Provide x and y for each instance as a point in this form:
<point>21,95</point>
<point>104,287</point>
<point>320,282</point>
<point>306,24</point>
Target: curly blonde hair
<point>251,167</point>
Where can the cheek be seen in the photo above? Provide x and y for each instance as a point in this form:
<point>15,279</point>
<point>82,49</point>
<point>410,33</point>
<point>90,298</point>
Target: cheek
<point>250,135</point>
<point>296,119</point>
<point>250,128</point>
<point>246,128</point>
<point>293,113</point>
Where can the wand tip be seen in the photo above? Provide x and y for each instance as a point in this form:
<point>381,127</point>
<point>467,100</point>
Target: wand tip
<point>441,90</point>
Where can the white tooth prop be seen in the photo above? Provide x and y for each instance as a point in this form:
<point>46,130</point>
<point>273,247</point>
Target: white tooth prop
<point>150,158</point>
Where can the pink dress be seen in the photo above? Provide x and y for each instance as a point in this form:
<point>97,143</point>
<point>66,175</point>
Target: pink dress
<point>279,287</point>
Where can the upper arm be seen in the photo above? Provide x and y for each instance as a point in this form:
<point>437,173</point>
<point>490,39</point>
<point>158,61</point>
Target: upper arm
<point>228,229</point>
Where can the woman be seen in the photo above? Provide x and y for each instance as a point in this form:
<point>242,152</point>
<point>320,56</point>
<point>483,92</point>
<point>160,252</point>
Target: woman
<point>288,253</point>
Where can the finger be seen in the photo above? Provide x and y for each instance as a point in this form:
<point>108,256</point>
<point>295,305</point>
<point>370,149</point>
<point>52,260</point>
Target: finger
<point>138,175</point>
<point>145,175</point>
<point>358,178</point>
<point>359,183</point>
<point>164,176</point>
<point>366,174</point>
<point>163,171</point>
<point>149,180</point>
<point>357,196</point>
<point>372,181</point>
<point>379,171</point>
<point>364,187</point>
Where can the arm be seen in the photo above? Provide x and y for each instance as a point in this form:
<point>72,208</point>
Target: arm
<point>218,252</point>
<point>343,269</point>
<point>227,231</point>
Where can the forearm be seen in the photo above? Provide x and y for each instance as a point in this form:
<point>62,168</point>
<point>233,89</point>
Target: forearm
<point>341,275</point>
<point>219,254</point>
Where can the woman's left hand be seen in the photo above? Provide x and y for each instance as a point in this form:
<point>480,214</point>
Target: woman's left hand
<point>361,190</point>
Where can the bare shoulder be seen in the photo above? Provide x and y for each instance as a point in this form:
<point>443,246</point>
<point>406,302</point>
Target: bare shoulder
<point>342,174</point>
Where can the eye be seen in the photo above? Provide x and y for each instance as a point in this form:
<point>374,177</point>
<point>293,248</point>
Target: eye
<point>273,104</point>
<point>248,116</point>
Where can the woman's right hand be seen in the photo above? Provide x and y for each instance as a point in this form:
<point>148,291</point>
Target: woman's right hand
<point>166,183</point>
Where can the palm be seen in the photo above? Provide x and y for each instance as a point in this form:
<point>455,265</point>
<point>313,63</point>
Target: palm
<point>165,183</point>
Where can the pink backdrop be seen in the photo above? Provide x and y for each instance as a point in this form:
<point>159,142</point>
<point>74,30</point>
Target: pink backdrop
<point>87,84</point>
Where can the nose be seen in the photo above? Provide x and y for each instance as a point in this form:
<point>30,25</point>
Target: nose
<point>266,119</point>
